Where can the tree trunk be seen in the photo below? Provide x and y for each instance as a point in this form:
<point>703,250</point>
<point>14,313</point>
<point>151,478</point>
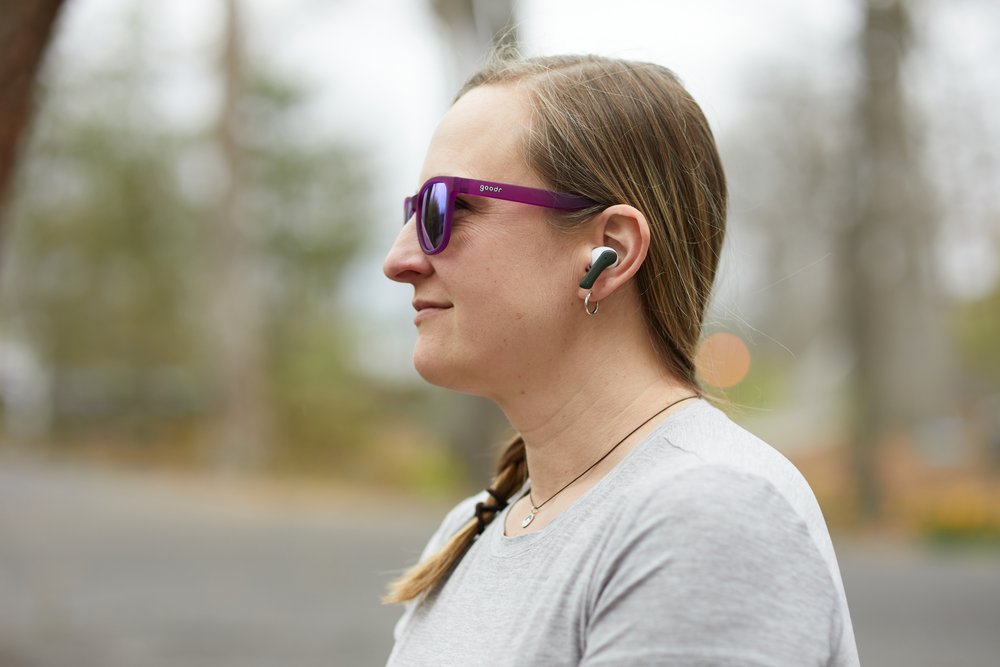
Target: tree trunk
<point>25,31</point>
<point>473,28</point>
<point>245,421</point>
<point>893,309</point>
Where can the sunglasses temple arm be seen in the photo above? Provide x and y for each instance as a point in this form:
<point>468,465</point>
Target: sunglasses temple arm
<point>522,194</point>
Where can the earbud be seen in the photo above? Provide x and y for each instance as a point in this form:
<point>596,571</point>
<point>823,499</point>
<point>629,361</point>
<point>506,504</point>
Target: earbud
<point>600,259</point>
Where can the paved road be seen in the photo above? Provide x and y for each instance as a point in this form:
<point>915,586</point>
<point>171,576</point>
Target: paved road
<point>101,569</point>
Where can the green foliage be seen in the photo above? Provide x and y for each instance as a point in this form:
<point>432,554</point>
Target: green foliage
<point>106,263</point>
<point>94,268</point>
<point>977,330</point>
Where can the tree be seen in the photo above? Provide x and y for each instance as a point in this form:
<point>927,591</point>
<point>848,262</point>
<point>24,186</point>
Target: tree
<point>245,427</point>
<point>24,35</point>
<point>116,249</point>
<point>893,304</point>
<point>473,28</point>
<point>837,197</point>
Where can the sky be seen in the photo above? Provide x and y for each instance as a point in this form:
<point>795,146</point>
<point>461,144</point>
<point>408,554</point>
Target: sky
<point>383,77</point>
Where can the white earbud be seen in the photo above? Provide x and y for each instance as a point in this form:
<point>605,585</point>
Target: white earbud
<point>600,250</point>
<point>600,258</point>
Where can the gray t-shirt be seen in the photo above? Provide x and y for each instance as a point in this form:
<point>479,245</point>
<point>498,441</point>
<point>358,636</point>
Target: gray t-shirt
<point>703,546</point>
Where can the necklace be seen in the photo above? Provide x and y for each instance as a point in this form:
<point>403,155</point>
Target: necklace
<point>534,508</point>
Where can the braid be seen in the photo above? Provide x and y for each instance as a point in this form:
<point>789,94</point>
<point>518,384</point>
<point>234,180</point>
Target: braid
<point>512,471</point>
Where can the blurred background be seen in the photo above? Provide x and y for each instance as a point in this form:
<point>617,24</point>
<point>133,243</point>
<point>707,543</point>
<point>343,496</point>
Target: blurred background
<point>214,448</point>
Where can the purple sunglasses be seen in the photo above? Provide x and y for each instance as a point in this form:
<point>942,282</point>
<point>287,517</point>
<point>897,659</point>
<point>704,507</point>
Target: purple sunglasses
<point>434,204</point>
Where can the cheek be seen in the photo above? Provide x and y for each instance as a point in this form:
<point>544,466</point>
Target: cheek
<point>520,294</point>
<point>498,328</point>
<point>523,315</point>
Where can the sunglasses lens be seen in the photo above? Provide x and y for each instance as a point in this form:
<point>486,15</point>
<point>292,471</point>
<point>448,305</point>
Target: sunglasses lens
<point>433,205</point>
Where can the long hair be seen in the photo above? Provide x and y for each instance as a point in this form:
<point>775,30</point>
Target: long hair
<point>615,131</point>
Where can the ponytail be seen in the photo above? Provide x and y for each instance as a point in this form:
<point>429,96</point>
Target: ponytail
<point>512,471</point>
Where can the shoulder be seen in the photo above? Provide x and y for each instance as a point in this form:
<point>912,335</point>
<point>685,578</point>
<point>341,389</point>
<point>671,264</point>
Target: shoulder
<point>716,563</point>
<point>716,522</point>
<point>716,502</point>
<point>709,486</point>
<point>731,461</point>
<point>709,435</point>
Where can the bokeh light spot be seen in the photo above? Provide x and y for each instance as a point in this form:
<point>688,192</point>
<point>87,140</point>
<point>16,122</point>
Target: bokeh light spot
<point>722,360</point>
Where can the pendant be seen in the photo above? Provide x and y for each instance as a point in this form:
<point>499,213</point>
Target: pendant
<point>528,519</point>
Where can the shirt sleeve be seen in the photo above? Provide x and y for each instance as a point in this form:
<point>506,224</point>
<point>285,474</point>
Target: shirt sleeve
<point>715,569</point>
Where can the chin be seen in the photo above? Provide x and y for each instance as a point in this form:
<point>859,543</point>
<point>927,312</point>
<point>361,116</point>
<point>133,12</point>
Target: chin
<point>444,370</point>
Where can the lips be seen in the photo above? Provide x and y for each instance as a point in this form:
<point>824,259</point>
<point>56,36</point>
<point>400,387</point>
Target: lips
<point>426,308</point>
<point>421,304</point>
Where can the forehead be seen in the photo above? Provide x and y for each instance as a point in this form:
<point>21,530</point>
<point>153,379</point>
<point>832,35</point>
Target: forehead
<point>482,136</point>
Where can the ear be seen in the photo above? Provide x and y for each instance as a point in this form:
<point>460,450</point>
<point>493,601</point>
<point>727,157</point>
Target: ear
<point>625,229</point>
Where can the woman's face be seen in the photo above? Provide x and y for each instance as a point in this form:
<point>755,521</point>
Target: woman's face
<point>507,277</point>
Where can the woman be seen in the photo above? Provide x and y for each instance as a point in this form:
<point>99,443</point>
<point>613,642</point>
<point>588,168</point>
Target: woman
<point>562,252</point>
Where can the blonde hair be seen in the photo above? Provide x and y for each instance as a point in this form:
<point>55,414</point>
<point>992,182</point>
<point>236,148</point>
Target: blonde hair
<point>615,131</point>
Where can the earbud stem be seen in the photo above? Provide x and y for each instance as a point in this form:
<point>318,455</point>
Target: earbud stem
<point>606,259</point>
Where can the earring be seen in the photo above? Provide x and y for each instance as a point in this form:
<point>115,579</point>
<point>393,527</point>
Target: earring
<point>586,305</point>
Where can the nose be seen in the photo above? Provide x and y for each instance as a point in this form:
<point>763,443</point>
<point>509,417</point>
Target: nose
<point>406,261</point>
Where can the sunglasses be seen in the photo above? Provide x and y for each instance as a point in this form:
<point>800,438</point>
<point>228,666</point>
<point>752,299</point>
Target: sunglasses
<point>434,205</point>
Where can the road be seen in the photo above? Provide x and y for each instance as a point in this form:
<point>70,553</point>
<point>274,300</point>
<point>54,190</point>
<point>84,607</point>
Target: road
<point>108,569</point>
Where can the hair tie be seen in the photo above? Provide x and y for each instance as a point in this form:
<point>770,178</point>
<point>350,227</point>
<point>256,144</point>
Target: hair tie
<point>481,508</point>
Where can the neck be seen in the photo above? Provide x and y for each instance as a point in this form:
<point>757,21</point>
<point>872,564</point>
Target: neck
<point>580,412</point>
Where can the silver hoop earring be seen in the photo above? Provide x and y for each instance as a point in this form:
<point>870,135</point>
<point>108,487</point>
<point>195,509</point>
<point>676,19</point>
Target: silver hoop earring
<point>586,305</point>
